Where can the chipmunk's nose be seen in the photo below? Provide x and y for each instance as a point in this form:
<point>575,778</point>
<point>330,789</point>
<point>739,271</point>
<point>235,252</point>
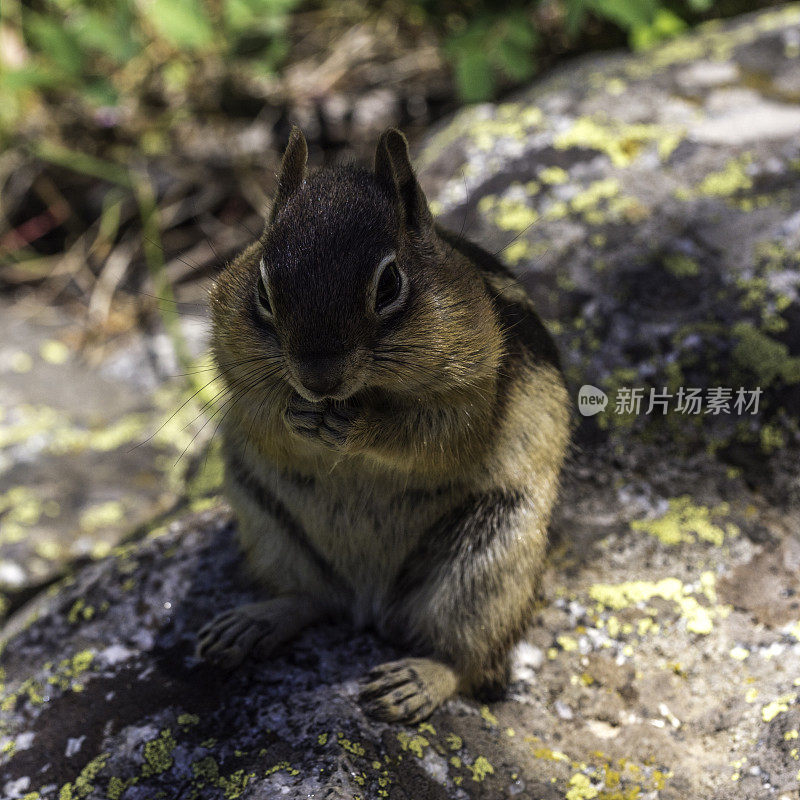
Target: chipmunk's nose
<point>320,373</point>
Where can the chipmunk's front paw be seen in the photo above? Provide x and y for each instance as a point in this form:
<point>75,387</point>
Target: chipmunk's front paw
<point>408,690</point>
<point>328,422</point>
<point>229,637</point>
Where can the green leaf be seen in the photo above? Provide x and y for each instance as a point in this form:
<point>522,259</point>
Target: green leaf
<point>111,36</point>
<point>628,14</point>
<point>576,14</point>
<point>57,45</point>
<point>665,26</point>
<point>101,92</point>
<point>701,6</point>
<point>514,51</point>
<point>473,74</point>
<point>182,23</point>
<point>27,77</point>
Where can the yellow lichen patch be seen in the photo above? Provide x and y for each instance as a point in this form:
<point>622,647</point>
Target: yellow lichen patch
<point>517,251</point>
<point>158,753</point>
<point>728,181</point>
<point>699,619</point>
<point>415,744</point>
<point>351,747</point>
<point>20,507</point>
<point>116,786</point>
<point>682,266</point>
<point>511,120</point>
<point>488,716</point>
<point>21,362</point>
<point>550,755</point>
<point>206,772</point>
<point>739,653</point>
<point>54,352</point>
<point>508,214</point>
<point>84,783</point>
<point>567,643</point>
<point>480,768</point>
<point>589,198</point>
<point>454,741</point>
<point>80,611</point>
<point>581,788</point>
<point>779,706</point>
<point>102,515</point>
<point>686,522</point>
<point>553,175</point>
<point>622,143</point>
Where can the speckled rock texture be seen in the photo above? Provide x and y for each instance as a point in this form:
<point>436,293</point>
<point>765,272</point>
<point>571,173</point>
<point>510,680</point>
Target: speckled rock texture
<point>652,204</point>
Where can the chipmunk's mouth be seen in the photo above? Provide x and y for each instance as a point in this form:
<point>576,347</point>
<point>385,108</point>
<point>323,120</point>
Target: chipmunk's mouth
<point>324,376</point>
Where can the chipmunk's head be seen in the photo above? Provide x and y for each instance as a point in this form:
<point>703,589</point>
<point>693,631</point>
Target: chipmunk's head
<point>349,288</point>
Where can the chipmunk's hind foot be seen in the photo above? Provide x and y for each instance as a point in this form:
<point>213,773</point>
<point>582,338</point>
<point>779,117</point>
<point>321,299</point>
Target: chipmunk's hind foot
<point>253,628</point>
<point>408,690</point>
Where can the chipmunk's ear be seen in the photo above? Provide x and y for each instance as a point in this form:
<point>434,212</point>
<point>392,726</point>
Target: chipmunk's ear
<point>293,171</point>
<point>393,167</point>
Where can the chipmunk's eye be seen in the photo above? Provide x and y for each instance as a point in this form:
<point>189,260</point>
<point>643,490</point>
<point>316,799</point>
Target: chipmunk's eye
<point>263,295</point>
<point>390,285</point>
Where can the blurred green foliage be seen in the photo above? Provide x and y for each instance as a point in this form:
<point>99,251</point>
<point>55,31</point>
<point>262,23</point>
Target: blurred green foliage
<point>485,41</point>
<point>102,52</point>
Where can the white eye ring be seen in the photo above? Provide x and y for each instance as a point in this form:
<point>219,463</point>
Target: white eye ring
<point>402,294</point>
<point>265,311</point>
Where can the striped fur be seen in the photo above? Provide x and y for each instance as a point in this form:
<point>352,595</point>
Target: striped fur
<point>422,511</point>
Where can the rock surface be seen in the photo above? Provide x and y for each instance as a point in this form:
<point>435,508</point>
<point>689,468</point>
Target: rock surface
<point>661,193</point>
<point>88,450</point>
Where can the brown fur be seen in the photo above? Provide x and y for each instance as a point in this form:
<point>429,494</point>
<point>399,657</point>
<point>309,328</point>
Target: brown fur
<point>415,496</point>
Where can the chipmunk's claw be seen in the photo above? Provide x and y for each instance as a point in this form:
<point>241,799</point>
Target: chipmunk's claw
<point>257,628</point>
<point>328,422</point>
<point>408,690</point>
<point>231,636</point>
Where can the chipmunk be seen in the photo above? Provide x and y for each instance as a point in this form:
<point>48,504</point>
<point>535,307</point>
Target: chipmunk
<point>396,425</point>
